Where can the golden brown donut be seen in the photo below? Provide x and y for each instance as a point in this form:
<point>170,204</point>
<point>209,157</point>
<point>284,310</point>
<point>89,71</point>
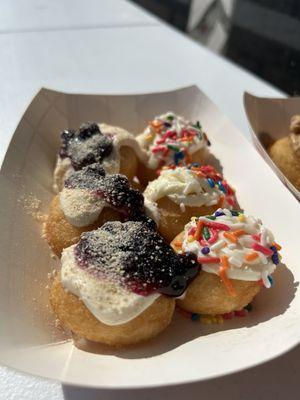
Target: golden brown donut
<point>60,234</point>
<point>208,295</point>
<point>74,315</point>
<point>172,219</point>
<point>284,156</point>
<point>182,192</point>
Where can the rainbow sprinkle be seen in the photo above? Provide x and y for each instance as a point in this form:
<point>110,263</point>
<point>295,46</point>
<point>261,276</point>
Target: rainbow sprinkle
<point>208,319</point>
<point>177,135</point>
<point>214,236</point>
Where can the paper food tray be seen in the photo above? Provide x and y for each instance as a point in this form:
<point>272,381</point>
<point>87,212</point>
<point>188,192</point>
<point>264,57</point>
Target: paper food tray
<point>187,351</point>
<point>269,121</point>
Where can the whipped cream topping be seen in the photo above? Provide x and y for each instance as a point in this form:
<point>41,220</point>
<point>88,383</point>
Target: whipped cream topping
<point>87,149</point>
<point>81,207</point>
<point>88,191</point>
<point>63,169</point>
<point>231,243</point>
<point>108,301</point>
<point>188,186</point>
<point>170,139</point>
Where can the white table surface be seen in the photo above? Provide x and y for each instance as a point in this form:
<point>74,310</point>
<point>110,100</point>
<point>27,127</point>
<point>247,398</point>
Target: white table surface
<point>40,15</point>
<point>114,47</point>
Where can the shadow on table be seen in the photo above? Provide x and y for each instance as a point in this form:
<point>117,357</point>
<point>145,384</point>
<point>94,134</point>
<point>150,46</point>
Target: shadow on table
<point>267,305</point>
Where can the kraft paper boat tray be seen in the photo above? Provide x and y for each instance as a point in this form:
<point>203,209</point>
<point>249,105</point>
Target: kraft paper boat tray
<point>187,351</point>
<point>269,121</point>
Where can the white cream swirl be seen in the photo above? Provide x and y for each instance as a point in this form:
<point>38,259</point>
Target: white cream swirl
<point>165,133</point>
<point>184,187</point>
<point>63,169</point>
<point>245,243</point>
<point>110,303</point>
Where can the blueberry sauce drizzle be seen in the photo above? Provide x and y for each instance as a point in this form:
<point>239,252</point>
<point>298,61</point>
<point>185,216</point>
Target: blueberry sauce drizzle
<point>114,189</point>
<point>85,146</point>
<point>137,257</point>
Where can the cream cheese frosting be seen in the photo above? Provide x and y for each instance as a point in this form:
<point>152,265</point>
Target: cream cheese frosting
<point>110,303</point>
<point>192,187</point>
<point>111,163</point>
<point>247,247</point>
<point>170,139</point>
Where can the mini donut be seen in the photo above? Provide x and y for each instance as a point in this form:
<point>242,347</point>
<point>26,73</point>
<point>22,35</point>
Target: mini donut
<point>90,198</point>
<point>74,315</point>
<point>170,139</point>
<point>237,255</point>
<point>112,147</point>
<point>182,192</point>
<point>285,153</point>
<point>117,284</point>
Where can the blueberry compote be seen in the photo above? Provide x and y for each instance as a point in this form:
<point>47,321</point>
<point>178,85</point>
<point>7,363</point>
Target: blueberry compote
<point>137,257</point>
<point>114,189</point>
<point>85,146</point>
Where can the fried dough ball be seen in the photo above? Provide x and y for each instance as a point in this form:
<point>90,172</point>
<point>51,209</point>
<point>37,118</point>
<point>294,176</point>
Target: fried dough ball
<point>284,156</point>
<point>173,220</point>
<point>60,234</point>
<point>74,315</point>
<point>208,295</point>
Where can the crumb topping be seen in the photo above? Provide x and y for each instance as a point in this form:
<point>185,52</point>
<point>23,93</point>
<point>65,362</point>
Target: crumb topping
<point>115,190</point>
